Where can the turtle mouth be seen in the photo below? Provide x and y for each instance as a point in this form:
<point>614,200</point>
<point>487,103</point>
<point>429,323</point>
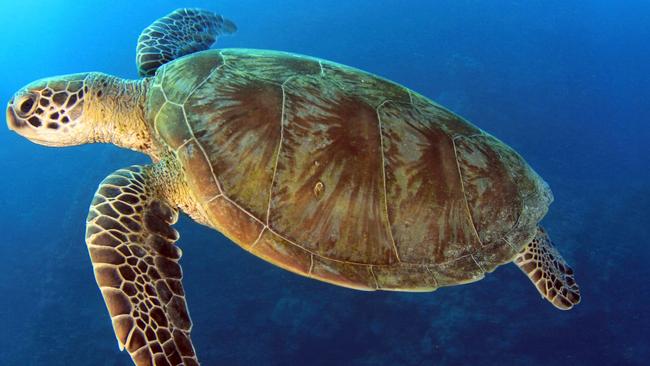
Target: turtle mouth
<point>13,122</point>
<point>43,142</point>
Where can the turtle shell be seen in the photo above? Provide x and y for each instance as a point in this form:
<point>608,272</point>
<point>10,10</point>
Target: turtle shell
<point>340,175</point>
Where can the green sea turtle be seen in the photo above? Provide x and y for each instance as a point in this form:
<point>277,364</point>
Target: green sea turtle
<point>321,169</point>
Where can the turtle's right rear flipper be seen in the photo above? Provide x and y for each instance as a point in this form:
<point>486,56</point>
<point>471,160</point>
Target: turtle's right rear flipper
<point>546,268</point>
<point>177,34</point>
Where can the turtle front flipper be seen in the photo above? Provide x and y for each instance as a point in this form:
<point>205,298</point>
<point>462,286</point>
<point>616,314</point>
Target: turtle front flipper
<point>179,33</point>
<point>550,273</point>
<point>131,245</point>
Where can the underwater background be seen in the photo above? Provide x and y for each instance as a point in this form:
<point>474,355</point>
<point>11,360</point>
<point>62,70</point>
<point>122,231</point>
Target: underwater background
<point>565,83</point>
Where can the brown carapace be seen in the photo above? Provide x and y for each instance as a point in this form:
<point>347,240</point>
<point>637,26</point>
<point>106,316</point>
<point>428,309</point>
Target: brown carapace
<point>412,197</point>
<point>321,169</point>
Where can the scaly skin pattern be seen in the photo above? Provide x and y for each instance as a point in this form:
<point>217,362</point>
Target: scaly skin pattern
<point>115,109</point>
<point>135,260</point>
<point>82,108</point>
<point>549,272</point>
<point>339,175</point>
<point>180,33</point>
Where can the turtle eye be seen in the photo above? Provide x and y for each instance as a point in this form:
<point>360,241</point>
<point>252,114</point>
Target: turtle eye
<point>26,105</point>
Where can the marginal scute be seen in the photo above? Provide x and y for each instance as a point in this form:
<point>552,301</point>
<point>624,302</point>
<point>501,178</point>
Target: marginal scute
<point>356,276</point>
<point>275,249</point>
<point>459,271</point>
<point>494,254</point>
<point>404,277</point>
<point>234,222</point>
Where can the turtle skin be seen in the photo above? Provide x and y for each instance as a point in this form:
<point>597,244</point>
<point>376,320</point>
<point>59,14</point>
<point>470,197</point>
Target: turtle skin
<point>340,175</point>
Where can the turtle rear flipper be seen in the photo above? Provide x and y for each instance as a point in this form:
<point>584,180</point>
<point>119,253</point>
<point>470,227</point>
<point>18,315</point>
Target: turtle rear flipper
<point>131,245</point>
<point>550,273</point>
<point>177,34</point>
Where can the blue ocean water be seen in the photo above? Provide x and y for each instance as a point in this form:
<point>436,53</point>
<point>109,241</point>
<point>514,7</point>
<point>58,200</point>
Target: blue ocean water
<point>567,84</point>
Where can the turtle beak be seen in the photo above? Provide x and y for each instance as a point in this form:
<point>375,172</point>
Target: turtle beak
<point>11,117</point>
<point>13,123</point>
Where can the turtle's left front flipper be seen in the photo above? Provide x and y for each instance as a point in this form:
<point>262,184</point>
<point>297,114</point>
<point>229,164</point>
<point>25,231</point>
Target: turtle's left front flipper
<point>548,271</point>
<point>131,244</point>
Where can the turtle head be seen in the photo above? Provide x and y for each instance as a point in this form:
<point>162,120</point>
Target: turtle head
<point>51,111</point>
<point>83,108</point>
